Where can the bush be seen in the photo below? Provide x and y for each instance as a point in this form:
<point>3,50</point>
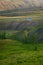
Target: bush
<point>2,35</point>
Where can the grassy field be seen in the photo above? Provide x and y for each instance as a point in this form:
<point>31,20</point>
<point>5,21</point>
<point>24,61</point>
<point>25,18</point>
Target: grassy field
<point>37,15</point>
<point>13,52</point>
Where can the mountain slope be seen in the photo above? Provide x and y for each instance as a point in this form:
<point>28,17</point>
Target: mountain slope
<point>26,30</point>
<point>12,4</point>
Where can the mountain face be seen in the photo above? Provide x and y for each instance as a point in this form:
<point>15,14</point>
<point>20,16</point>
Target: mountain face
<point>14,4</point>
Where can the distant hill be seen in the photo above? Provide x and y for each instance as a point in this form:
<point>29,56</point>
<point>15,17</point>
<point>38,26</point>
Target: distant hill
<point>14,4</point>
<point>12,7</point>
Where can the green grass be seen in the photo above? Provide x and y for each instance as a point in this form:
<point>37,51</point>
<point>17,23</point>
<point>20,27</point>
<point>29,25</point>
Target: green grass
<point>13,52</point>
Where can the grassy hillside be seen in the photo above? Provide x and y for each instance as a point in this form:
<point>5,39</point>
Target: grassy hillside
<point>23,32</point>
<point>21,29</point>
<point>21,11</point>
<point>17,53</point>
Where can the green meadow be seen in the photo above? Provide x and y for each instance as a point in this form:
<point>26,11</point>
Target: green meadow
<point>13,52</point>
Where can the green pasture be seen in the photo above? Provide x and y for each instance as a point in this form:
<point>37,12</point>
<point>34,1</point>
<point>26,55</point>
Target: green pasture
<point>13,52</point>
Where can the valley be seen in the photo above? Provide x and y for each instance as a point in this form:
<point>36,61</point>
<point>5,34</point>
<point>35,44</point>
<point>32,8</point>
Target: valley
<point>21,32</point>
<point>22,29</point>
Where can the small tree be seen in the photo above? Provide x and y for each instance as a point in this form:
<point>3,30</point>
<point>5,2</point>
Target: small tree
<point>4,35</point>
